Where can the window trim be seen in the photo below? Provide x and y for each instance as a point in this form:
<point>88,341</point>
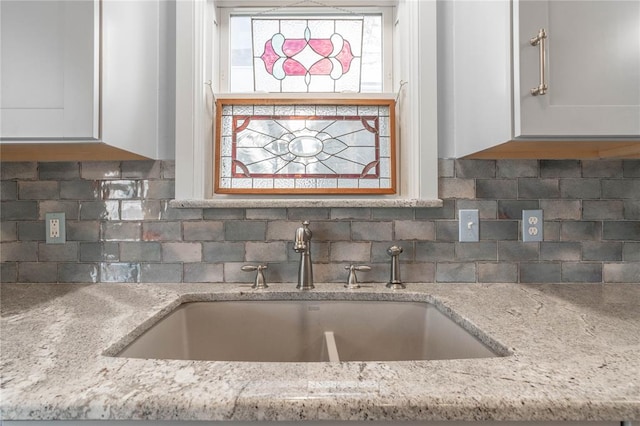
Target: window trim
<point>417,117</point>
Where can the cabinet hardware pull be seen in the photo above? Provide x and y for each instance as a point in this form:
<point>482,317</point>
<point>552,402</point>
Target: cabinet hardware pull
<point>539,41</point>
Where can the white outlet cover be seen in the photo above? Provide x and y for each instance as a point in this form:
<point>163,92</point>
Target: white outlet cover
<point>532,229</point>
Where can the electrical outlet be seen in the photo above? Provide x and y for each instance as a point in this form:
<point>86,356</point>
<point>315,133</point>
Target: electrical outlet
<point>55,228</point>
<point>532,229</point>
<point>468,225</point>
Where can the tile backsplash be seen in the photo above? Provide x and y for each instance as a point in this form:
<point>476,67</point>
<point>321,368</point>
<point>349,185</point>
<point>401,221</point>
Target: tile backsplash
<point>120,227</point>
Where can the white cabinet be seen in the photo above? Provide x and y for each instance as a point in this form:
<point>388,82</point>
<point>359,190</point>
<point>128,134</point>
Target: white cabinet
<point>592,68</point>
<point>87,79</point>
<point>487,66</point>
<point>49,68</point>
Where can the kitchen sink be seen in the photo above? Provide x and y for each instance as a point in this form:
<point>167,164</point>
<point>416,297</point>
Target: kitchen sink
<point>307,331</point>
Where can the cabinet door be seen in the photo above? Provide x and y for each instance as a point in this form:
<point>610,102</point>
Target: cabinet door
<point>593,68</point>
<point>49,69</point>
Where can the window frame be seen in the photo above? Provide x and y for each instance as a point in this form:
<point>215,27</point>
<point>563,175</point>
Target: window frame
<point>414,62</point>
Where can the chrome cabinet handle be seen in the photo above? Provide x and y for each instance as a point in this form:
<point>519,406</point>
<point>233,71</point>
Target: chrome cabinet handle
<point>539,41</point>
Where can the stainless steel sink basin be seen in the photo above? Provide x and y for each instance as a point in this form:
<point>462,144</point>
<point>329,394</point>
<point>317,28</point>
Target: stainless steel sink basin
<point>306,331</point>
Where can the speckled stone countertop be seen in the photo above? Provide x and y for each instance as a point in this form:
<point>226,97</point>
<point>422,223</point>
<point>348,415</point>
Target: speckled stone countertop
<point>575,355</point>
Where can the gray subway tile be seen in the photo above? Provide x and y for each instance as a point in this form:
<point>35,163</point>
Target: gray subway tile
<point>496,189</point>
<point>413,273</point>
<point>140,169</point>
<point>79,190</point>
<point>182,252</point>
<point>8,190</point>
<point>540,273</point>
<point>391,213</point>
<point>447,230</point>
<point>19,210</point>
<point>69,208</point>
<point>551,231</point>
<point>100,170</point>
<point>171,213</point>
<point>620,188</point>
<point>464,272</point>
<point>487,209</point>
<point>582,272</point>
<point>498,230</point>
<point>446,167</point>
<point>580,188</point>
<point>99,252</point>
<point>329,231</point>
<point>8,231</point>
<point>628,230</point>
<point>456,188</point>
<point>350,252</point>
<point>120,189</point>
<point>59,170</point>
<point>168,169</point>
<point>83,230</point>
<point>631,252</point>
<point>37,272</point>
<point>554,250</point>
<point>100,210</point>
<point>223,214</point>
<point>560,168</point>
<point>67,252</point>
<point>372,231</point>
<point>203,231</point>
<point>38,190</point>
<point>414,230</point>
<point>518,251</point>
<point>602,251</point>
<point>517,168</point>
<point>580,230</point>
<point>475,168</point>
<point>602,209</point>
<point>31,231</point>
<point>497,272</point>
<point>161,272</point>
<point>281,230</point>
<point>245,230</point>
<point>512,209</point>
<point>538,188</point>
<point>140,210</point>
<point>203,273</point>
<point>78,273</point>
<point>158,189</point>
<point>120,272</point>
<point>162,231</point>
<point>483,250</point>
<point>223,252</point>
<point>435,251</point>
<point>561,209</point>
<point>8,272</point>
<point>631,168</point>
<point>632,209</point>
<point>19,170</point>
<point>140,252</point>
<point>266,252</point>
<point>121,231</point>
<point>19,251</point>
<point>628,272</point>
<point>602,168</point>
<point>310,213</point>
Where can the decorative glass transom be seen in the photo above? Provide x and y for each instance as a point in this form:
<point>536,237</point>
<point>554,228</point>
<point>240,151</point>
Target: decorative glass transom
<point>307,55</point>
<point>305,148</point>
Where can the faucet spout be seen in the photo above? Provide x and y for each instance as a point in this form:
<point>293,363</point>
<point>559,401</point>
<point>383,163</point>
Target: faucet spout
<point>302,245</point>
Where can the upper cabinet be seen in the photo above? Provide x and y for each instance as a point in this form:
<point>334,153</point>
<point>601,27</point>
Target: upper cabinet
<point>591,64</point>
<point>49,65</point>
<point>588,61</point>
<point>87,79</point>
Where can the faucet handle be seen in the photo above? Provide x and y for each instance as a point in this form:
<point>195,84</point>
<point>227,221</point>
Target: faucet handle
<point>352,279</point>
<point>260,282</point>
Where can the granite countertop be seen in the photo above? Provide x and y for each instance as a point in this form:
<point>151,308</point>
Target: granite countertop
<point>574,355</point>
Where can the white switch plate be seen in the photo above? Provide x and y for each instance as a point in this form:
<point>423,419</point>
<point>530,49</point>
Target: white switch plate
<point>55,228</point>
<point>468,226</point>
<point>532,229</point>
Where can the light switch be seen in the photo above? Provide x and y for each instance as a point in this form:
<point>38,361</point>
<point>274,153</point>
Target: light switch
<point>469,225</point>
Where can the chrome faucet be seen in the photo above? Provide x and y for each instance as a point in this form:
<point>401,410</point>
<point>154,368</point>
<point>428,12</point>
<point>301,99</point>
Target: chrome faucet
<point>394,280</point>
<point>302,245</point>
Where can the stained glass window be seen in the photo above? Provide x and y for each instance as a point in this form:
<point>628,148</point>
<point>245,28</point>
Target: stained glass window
<point>291,54</point>
<point>293,147</point>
